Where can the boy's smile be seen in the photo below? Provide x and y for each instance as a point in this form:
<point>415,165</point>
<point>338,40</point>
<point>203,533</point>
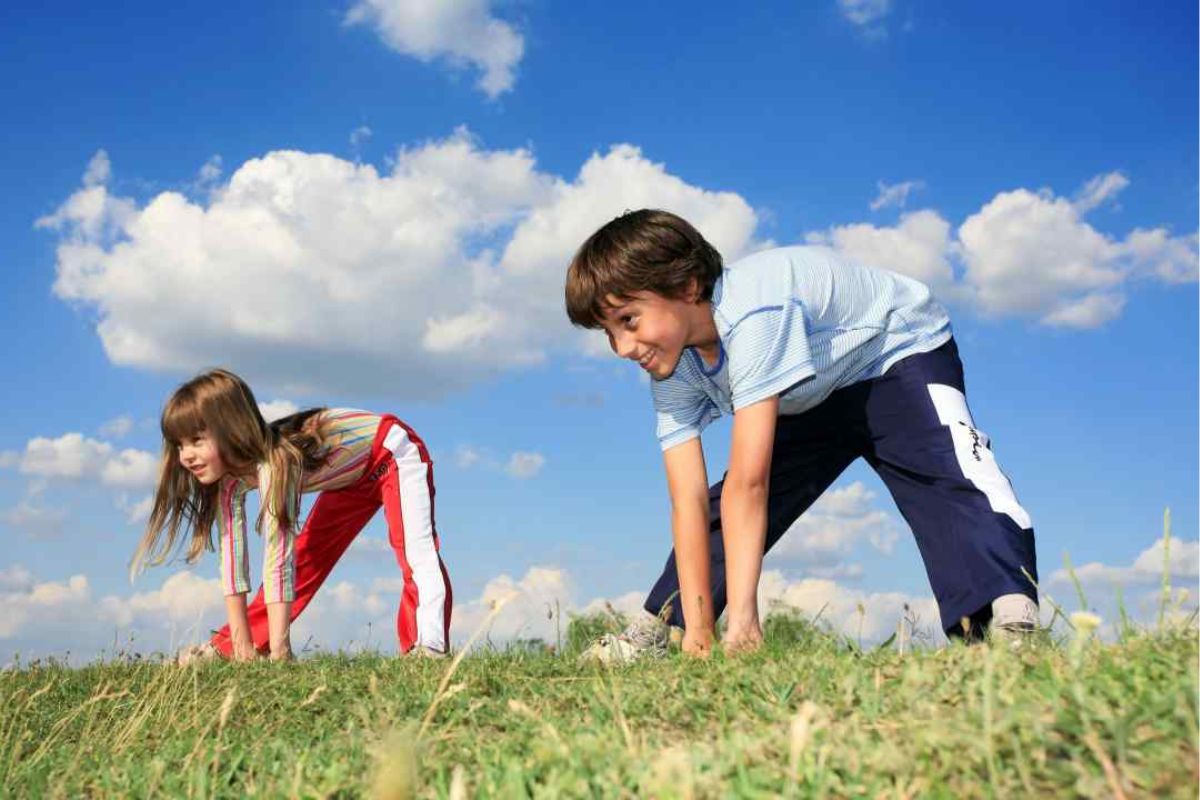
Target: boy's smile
<point>654,330</point>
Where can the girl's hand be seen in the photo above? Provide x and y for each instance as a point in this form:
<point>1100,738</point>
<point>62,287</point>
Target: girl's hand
<point>282,654</point>
<point>243,650</point>
<point>697,644</point>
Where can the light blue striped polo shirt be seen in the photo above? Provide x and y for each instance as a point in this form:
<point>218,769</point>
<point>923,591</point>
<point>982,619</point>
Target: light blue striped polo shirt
<point>798,322</point>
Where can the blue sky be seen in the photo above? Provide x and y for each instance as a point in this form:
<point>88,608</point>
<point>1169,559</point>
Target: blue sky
<point>361,204</point>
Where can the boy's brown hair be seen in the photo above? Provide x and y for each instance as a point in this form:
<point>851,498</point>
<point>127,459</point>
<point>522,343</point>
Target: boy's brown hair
<point>640,251</point>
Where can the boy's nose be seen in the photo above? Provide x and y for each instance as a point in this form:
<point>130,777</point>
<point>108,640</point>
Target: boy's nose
<point>625,345</point>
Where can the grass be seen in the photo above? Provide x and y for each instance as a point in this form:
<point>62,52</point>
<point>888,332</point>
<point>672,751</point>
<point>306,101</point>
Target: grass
<point>812,715</point>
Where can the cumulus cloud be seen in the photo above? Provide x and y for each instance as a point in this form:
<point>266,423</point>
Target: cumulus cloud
<point>76,457</point>
<point>525,465</point>
<point>54,617</point>
<point>117,427</point>
<point>1180,560</point>
<point>918,246</point>
<point>895,195</point>
<point>838,522</point>
<point>34,519</point>
<point>16,578</point>
<point>46,601</point>
<point>136,511</point>
<point>324,265</point>
<point>462,32</point>
<point>1026,253</point>
<point>871,616</point>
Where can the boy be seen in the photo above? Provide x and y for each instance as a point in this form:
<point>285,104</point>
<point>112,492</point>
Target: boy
<point>820,361</point>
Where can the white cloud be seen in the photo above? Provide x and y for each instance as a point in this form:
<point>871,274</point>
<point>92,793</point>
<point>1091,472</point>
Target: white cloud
<point>895,194</point>
<point>838,522</point>
<point>919,247</point>
<point>209,172</point>
<point>75,457</point>
<point>69,456</point>
<point>309,251</point>
<point>1027,253</point>
<point>131,469</point>
<point>1183,566</point>
<point>277,409</point>
<point>864,12</point>
<point>370,546</point>
<point>184,601</point>
<point>520,464</point>
<point>1099,190</point>
<point>873,616</point>
<point>117,427</point>
<point>360,136</point>
<point>16,579</point>
<point>529,612</point>
<point>34,519</point>
<point>525,465</point>
<point>136,512</point>
<point>27,600</point>
<point>1090,311</point>
<point>1031,252</point>
<point>463,32</point>
<point>323,264</point>
<point>466,457</point>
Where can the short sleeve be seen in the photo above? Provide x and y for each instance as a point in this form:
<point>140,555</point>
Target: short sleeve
<point>231,519</point>
<point>682,410</point>
<point>768,352</point>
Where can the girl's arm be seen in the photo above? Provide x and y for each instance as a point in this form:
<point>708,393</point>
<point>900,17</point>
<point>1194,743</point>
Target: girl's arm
<point>744,518</point>
<point>235,566</point>
<point>239,628</point>
<point>278,565</point>
<point>687,481</point>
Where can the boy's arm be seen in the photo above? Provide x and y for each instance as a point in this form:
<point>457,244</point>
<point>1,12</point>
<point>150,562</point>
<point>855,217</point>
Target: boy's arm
<point>687,481</point>
<point>744,517</point>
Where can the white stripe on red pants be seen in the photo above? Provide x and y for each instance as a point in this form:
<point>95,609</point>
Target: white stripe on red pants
<point>400,479</point>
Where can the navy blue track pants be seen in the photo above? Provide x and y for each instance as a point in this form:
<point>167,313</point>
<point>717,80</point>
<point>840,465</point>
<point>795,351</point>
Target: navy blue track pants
<point>913,427</point>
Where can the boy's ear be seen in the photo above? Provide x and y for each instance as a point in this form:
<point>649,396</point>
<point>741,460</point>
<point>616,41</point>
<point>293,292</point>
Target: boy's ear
<point>693,291</point>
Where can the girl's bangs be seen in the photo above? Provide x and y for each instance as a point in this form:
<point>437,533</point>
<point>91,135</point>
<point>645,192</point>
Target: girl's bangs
<point>182,418</point>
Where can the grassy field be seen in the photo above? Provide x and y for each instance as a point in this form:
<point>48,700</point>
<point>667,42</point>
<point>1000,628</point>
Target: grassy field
<point>812,715</point>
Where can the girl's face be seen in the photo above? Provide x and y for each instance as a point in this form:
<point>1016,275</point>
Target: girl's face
<point>198,454</point>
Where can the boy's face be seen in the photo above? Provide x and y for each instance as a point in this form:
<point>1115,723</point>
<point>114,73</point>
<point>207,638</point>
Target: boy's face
<point>650,329</point>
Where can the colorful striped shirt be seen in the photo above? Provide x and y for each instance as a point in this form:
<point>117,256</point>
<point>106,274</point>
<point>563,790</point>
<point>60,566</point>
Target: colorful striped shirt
<point>349,436</point>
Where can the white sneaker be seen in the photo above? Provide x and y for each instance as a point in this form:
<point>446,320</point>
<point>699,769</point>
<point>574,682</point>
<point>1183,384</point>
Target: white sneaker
<point>196,653</point>
<point>645,636</point>
<point>1014,620</point>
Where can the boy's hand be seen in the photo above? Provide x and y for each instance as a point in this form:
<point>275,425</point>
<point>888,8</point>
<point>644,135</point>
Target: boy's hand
<point>697,644</point>
<point>742,640</point>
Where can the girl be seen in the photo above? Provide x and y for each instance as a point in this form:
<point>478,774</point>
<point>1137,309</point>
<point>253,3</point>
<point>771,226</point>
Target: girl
<point>217,447</point>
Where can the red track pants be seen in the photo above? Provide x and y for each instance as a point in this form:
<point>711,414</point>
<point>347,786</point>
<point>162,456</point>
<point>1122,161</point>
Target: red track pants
<point>399,478</point>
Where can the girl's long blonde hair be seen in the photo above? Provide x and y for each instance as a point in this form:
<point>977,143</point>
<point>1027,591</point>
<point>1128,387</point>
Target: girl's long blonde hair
<point>221,405</point>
